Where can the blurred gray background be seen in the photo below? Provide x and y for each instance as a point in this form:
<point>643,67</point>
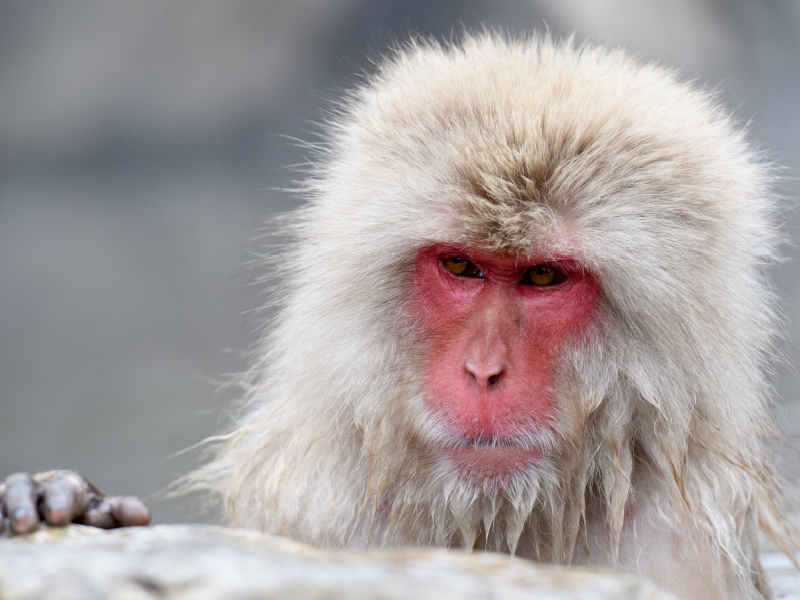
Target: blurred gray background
<point>139,145</point>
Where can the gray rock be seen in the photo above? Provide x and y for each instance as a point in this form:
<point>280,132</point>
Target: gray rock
<point>194,562</point>
<point>783,576</point>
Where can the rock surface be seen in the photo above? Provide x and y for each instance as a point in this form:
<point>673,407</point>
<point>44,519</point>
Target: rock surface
<point>197,562</point>
<point>784,579</point>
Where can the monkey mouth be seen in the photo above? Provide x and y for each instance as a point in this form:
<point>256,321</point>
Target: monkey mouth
<point>538,439</point>
<point>492,462</point>
<point>495,458</point>
<point>493,444</point>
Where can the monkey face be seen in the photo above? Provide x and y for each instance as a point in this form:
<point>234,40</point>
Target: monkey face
<point>496,324</point>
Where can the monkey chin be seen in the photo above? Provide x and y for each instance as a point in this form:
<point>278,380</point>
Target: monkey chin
<point>492,466</point>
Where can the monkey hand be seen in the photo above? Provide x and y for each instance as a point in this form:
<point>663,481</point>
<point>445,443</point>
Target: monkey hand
<point>63,497</point>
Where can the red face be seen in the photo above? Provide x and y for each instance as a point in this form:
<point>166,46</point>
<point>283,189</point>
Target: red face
<point>496,326</point>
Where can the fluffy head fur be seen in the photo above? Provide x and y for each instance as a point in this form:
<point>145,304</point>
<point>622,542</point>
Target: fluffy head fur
<point>520,147</point>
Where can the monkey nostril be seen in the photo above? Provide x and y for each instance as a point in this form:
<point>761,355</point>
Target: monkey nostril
<point>485,377</point>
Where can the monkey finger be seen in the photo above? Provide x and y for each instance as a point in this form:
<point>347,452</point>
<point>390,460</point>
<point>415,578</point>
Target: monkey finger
<point>64,496</point>
<point>20,503</point>
<point>99,514</point>
<point>117,511</point>
<point>129,511</point>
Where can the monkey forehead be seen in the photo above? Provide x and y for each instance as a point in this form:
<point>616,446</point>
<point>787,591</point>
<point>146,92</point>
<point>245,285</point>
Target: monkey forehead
<point>495,143</point>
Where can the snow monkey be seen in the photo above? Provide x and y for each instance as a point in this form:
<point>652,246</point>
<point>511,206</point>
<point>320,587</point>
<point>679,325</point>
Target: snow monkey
<point>524,310</point>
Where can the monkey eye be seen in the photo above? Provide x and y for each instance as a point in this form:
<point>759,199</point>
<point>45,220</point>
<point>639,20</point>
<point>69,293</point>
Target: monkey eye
<point>462,267</point>
<point>543,275</point>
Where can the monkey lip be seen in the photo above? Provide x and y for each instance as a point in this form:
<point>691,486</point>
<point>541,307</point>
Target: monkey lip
<point>491,442</point>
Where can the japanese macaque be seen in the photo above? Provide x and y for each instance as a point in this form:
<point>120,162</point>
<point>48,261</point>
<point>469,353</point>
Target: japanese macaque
<point>525,310</point>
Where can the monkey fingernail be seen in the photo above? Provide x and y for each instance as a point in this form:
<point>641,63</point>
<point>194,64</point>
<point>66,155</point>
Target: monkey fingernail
<point>58,513</point>
<point>23,521</point>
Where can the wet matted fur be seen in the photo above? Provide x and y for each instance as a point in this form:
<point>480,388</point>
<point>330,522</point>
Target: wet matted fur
<point>657,458</point>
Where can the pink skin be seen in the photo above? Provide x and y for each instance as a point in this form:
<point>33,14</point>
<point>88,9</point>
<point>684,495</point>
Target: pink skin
<point>494,346</point>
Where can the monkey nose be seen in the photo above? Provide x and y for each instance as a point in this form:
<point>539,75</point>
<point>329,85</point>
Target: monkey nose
<point>486,374</point>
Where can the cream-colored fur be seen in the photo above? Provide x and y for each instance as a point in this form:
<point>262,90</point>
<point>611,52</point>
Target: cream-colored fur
<point>658,459</point>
